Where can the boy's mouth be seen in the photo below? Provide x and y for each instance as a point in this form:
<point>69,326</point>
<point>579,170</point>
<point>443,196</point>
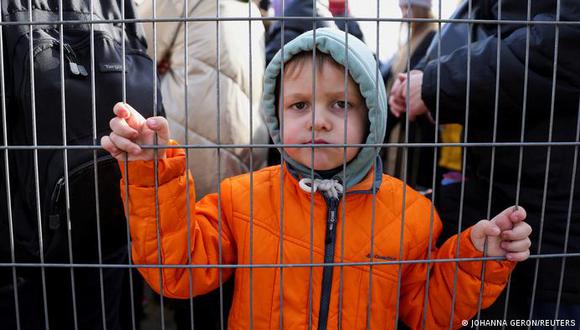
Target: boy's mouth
<point>317,141</point>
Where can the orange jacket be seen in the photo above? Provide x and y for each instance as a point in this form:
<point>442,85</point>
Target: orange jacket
<point>255,215</point>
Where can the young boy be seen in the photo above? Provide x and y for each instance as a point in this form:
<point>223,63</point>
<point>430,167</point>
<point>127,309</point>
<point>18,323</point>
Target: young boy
<point>269,218</point>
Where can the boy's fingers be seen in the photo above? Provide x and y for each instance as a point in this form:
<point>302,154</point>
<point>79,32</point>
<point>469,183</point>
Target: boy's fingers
<point>124,144</point>
<point>109,146</point>
<point>127,112</point>
<point>520,231</point>
<point>516,246</point>
<point>491,229</point>
<point>518,256</point>
<point>518,215</point>
<point>120,127</point>
<point>484,228</point>
<point>504,219</point>
<point>159,125</point>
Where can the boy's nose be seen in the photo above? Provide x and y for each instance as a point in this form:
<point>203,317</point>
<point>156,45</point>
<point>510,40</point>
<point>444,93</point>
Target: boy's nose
<point>321,122</point>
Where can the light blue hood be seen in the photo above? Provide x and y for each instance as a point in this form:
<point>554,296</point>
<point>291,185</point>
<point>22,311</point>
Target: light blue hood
<point>362,67</point>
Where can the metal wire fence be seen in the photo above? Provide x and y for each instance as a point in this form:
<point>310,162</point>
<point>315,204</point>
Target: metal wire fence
<point>557,147</point>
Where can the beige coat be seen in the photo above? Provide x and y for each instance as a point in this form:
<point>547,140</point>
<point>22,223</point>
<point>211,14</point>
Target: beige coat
<point>240,84</point>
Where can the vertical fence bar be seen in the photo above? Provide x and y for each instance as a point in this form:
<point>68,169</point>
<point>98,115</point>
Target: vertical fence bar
<point>374,187</point>
<point>250,22</point>
<point>35,159</point>
<point>129,261</point>
<point>126,164</point>
<point>405,162</point>
<point>524,102</point>
<point>311,257</point>
<point>464,160</point>
<point>156,170</point>
<point>185,22</point>
<point>281,124</point>
<point>7,174</point>
<point>219,174</point>
<point>343,204</point>
<point>554,74</point>
<point>434,179</point>
<point>548,154</point>
<point>95,169</point>
<point>521,149</point>
<point>492,169</point>
<point>374,193</point>
<point>569,218</point>
<point>65,165</point>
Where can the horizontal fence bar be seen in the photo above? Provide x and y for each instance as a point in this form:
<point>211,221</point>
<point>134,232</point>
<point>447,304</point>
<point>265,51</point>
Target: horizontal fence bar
<point>335,264</point>
<point>283,18</point>
<point>316,146</point>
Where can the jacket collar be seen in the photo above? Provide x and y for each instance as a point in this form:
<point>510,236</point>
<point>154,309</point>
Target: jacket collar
<point>365,186</point>
<point>374,178</point>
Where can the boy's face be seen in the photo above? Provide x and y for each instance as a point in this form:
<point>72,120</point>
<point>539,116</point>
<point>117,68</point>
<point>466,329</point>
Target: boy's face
<point>331,110</point>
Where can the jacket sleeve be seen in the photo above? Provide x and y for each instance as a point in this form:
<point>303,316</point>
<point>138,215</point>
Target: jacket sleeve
<point>183,240</point>
<point>441,292</point>
<point>512,58</point>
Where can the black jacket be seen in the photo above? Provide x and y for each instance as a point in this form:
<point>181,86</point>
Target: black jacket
<point>295,27</point>
<point>477,113</point>
<point>483,66</point>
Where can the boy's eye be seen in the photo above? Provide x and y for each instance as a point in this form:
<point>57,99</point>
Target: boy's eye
<point>298,106</point>
<point>342,104</point>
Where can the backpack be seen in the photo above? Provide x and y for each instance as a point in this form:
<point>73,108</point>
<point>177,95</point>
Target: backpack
<point>44,210</point>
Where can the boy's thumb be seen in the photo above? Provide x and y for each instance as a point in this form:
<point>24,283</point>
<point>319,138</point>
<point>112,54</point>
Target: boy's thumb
<point>160,126</point>
<point>485,228</point>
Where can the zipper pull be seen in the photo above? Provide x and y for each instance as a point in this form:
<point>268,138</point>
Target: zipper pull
<point>332,220</point>
<point>54,216</point>
<point>332,205</point>
<point>75,69</point>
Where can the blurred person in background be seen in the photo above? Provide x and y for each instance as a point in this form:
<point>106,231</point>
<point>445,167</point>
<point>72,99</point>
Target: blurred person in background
<point>58,206</point>
<point>237,101</point>
<point>307,8</point>
<point>415,38</point>
<point>527,61</point>
<point>241,69</point>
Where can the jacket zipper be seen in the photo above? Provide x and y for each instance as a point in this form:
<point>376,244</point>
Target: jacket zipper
<point>54,214</point>
<point>329,245</point>
<point>44,44</point>
<point>75,68</point>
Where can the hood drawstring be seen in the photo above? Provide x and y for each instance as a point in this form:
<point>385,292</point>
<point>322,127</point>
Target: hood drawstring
<point>331,187</point>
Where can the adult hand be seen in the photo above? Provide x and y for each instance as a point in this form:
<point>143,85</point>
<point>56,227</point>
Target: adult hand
<point>507,235</point>
<point>396,98</point>
<point>399,98</point>
<point>130,130</point>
